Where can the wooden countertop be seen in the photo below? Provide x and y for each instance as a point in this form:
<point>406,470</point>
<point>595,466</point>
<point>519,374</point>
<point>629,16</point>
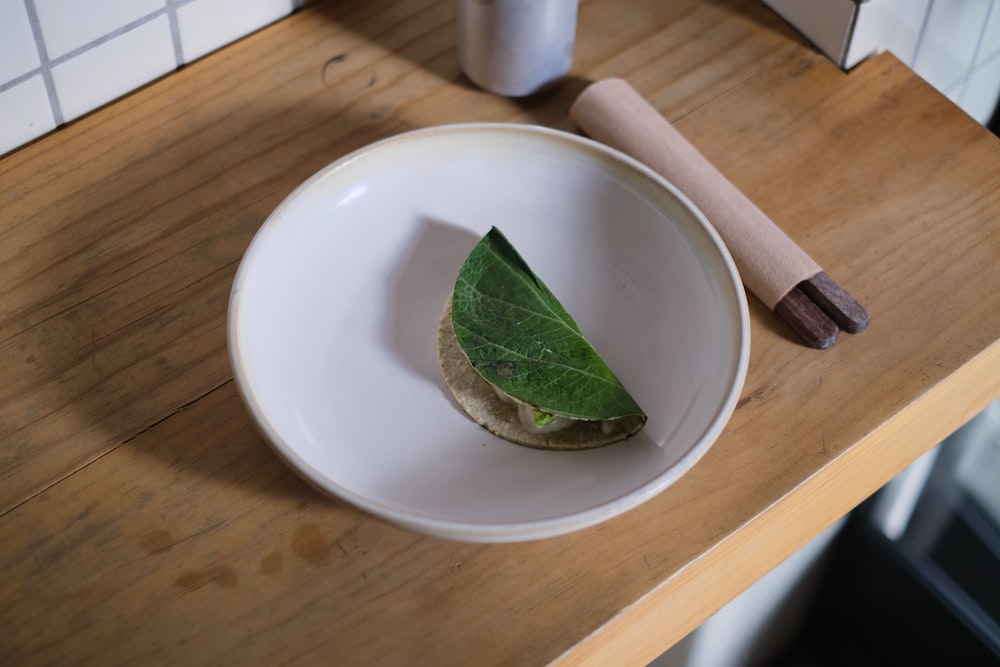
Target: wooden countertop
<point>144,521</point>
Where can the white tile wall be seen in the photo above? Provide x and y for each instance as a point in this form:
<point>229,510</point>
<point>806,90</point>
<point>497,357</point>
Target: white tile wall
<point>60,59</point>
<point>956,47</point>
<point>114,67</point>
<point>989,47</point>
<point>209,24</point>
<point>948,44</point>
<point>19,54</point>
<point>959,53</point>
<point>981,91</point>
<point>953,44</point>
<point>25,113</point>
<point>70,24</point>
<point>887,25</point>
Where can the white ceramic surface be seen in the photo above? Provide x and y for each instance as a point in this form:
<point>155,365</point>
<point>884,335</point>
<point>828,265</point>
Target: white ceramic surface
<point>335,308</point>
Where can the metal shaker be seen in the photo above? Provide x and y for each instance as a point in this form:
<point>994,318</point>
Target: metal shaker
<point>516,47</point>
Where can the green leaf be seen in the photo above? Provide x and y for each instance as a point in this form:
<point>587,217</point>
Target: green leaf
<point>519,337</point>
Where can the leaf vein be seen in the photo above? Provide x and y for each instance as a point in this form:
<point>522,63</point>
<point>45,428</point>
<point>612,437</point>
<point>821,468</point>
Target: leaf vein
<point>572,369</point>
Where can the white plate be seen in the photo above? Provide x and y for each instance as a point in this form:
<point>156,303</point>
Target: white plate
<point>334,314</point>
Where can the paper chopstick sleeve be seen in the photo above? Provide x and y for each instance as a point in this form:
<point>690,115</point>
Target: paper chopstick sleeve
<point>769,262</point>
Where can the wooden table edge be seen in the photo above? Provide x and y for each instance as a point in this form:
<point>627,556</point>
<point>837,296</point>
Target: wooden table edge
<point>665,615</point>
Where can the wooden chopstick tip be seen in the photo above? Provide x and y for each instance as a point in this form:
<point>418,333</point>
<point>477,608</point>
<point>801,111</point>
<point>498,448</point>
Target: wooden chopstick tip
<point>817,310</point>
<point>807,320</point>
<point>836,302</point>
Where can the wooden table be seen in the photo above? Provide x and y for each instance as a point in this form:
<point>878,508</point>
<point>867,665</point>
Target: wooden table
<point>143,520</point>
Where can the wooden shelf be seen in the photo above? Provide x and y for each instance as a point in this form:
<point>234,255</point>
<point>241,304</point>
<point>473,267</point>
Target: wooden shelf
<point>142,518</point>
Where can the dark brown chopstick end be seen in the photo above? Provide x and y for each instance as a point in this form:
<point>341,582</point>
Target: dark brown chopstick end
<point>807,319</point>
<point>843,308</point>
<point>818,308</point>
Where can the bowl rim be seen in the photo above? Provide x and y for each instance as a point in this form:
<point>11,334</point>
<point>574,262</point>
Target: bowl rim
<point>499,531</point>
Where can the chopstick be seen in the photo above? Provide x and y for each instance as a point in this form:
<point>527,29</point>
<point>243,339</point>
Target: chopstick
<point>772,266</point>
<point>836,302</point>
<point>818,308</point>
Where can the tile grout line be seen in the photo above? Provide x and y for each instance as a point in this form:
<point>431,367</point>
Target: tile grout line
<point>18,80</point>
<point>922,33</point>
<point>175,31</point>
<point>47,64</point>
<point>107,37</point>
<point>962,85</point>
<point>45,69</point>
<point>169,10</point>
<point>979,58</point>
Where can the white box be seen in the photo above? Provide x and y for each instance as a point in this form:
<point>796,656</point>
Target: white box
<point>848,31</point>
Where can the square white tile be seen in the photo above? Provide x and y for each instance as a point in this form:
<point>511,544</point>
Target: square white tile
<point>69,24</point>
<point>206,25</point>
<point>990,46</point>
<point>114,68</point>
<point>25,113</point>
<point>887,25</point>
<point>982,91</point>
<point>18,52</point>
<point>948,46</point>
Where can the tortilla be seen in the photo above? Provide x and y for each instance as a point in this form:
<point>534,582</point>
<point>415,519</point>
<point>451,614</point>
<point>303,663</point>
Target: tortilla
<point>480,402</point>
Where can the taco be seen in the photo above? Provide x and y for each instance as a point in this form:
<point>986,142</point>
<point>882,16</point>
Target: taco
<point>517,363</point>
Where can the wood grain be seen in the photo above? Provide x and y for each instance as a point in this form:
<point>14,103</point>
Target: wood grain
<point>122,231</point>
<point>143,520</point>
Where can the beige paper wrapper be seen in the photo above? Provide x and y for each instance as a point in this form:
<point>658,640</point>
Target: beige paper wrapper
<point>769,262</point>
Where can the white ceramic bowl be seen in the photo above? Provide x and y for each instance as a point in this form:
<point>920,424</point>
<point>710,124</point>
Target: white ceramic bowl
<point>334,314</point>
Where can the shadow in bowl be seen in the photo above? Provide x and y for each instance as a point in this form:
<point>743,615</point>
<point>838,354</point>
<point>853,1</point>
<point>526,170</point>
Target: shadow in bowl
<point>418,291</point>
